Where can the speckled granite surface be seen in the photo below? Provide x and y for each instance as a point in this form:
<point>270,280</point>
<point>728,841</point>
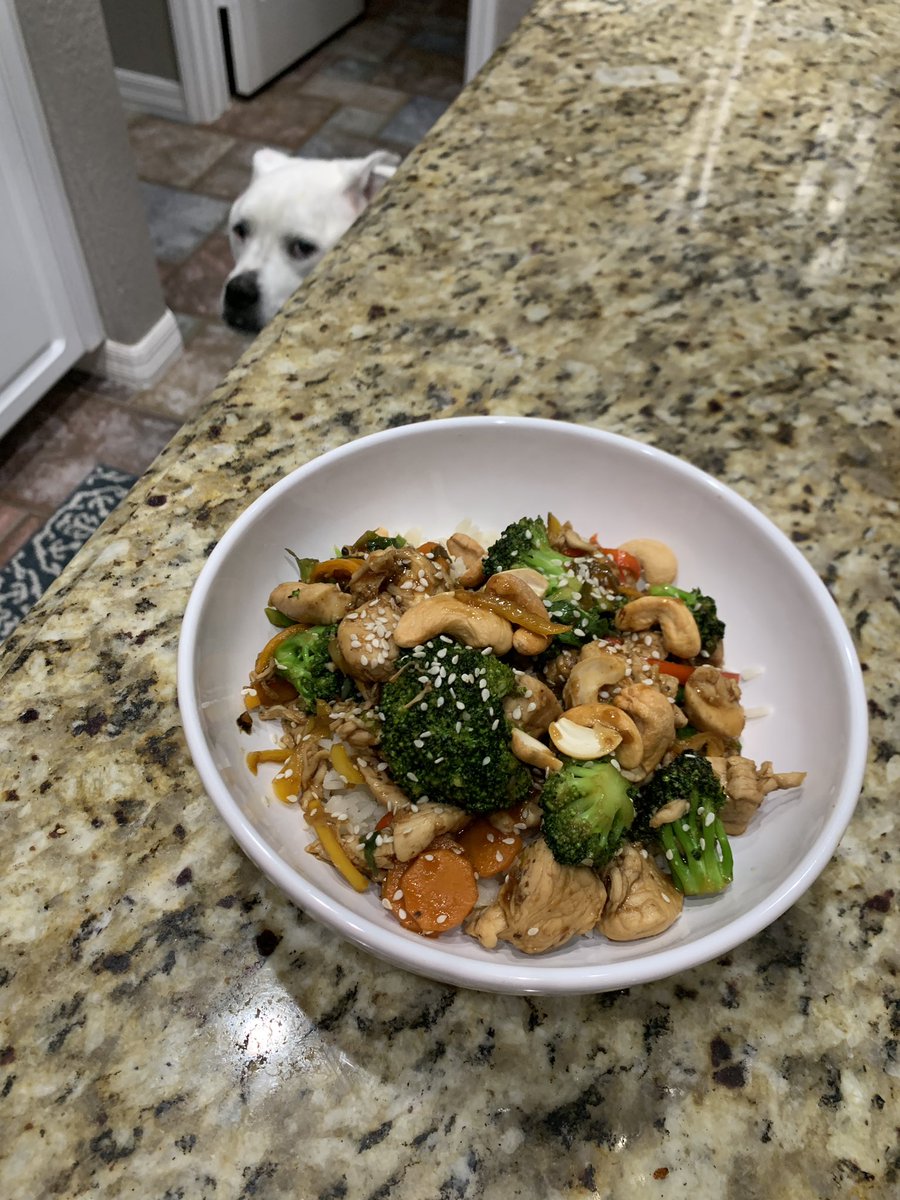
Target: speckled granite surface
<point>675,222</point>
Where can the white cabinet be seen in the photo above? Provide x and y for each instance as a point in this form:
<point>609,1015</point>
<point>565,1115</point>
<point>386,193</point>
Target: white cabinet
<point>48,314</point>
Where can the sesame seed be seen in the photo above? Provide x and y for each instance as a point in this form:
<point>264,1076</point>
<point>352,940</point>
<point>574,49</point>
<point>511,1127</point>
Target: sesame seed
<point>534,931</point>
<point>401,913</point>
<point>441,918</point>
<point>669,855</point>
<point>429,858</point>
<point>710,817</point>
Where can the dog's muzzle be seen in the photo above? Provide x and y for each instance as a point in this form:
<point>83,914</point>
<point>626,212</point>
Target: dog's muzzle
<point>241,302</point>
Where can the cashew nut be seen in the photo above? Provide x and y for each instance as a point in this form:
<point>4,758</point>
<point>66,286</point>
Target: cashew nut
<point>511,586</point>
<point>658,562</point>
<point>535,580</point>
<point>681,636</point>
<point>477,627</point>
<point>471,554</point>
<point>311,603</point>
<point>591,673</point>
<point>630,747</point>
<point>583,741</point>
<point>528,749</point>
<point>712,702</point>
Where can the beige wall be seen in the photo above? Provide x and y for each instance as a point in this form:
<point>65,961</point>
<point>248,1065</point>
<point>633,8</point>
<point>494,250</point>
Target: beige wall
<point>69,56</point>
<point>140,34</point>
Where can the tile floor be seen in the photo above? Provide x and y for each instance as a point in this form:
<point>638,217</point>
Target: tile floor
<point>381,83</point>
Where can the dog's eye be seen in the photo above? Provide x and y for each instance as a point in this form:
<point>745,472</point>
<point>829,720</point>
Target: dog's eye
<point>240,230</point>
<point>300,248</point>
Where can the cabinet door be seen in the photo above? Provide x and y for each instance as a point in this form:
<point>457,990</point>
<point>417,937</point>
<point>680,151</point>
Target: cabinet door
<point>269,35</point>
<point>49,317</point>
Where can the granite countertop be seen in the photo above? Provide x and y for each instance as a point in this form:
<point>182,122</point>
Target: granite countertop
<point>675,222</point>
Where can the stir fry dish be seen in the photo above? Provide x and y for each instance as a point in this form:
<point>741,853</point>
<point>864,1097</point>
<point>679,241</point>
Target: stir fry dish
<point>528,742</point>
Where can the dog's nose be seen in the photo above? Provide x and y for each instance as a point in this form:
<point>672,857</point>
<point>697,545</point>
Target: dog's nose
<point>242,291</point>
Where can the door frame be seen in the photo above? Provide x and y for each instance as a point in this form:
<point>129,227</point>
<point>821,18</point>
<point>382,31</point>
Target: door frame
<point>197,31</point>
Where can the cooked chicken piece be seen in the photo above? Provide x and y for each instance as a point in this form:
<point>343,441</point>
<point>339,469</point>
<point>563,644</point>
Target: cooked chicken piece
<point>311,603</point>
<point>652,712</point>
<point>747,786</point>
<point>640,900</point>
<point>365,642</point>
<point>382,788</point>
<point>416,827</point>
<point>541,904</point>
<point>401,571</point>
<point>712,702</point>
<point>532,711</point>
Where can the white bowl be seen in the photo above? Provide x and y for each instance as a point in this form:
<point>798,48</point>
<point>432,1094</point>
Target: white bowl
<point>432,476</point>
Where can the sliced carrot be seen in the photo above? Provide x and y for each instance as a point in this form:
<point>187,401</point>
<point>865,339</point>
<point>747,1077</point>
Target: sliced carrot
<point>335,568</point>
<point>488,850</point>
<point>393,895</point>
<point>681,671</point>
<point>255,757</point>
<point>386,820</point>
<point>429,547</point>
<point>439,889</point>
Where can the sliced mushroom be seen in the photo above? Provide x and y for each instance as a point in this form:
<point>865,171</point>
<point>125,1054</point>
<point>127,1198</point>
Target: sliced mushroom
<point>630,747</point>
<point>594,670</point>
<point>534,753</point>
<point>640,900</point>
<point>652,713</point>
<point>408,574</point>
<point>311,603</point>
<point>712,702</point>
<point>658,561</point>
<point>365,639</point>
<point>477,627</point>
<point>471,555</point>
<point>681,636</point>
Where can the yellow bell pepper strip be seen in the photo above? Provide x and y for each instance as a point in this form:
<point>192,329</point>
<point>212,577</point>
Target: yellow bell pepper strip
<point>335,568</point>
<point>286,784</point>
<point>255,757</point>
<point>342,763</point>
<point>330,843</point>
<point>504,607</point>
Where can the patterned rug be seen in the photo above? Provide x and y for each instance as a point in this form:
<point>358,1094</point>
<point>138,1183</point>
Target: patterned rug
<point>33,568</point>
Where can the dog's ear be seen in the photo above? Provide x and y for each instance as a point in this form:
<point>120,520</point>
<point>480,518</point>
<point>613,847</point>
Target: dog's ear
<point>265,161</point>
<point>367,175</point>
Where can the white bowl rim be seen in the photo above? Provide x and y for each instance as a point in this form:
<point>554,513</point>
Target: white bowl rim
<point>535,976</point>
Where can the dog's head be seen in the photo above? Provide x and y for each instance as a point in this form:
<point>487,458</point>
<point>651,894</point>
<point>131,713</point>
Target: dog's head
<point>294,210</point>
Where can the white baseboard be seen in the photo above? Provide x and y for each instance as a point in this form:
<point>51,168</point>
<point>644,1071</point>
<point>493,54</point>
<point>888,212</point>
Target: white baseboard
<point>152,94</point>
<point>138,364</point>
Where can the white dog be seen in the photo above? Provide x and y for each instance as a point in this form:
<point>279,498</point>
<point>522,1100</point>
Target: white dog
<point>294,210</point>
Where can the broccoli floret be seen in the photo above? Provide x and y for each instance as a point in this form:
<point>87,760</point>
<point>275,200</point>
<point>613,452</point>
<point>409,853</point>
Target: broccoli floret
<point>304,660</point>
<point>444,733</point>
<point>587,624</point>
<point>696,844</point>
<point>587,808</point>
<point>526,543</point>
<point>703,607</point>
